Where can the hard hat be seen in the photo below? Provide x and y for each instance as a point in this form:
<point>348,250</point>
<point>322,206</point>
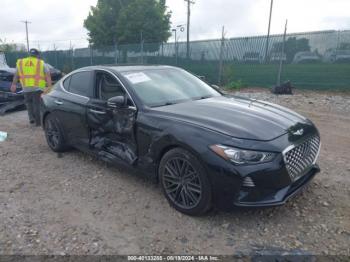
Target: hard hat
<point>34,52</point>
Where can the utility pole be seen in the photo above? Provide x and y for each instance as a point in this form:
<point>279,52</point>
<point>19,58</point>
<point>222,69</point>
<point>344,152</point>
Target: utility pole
<point>175,45</point>
<point>181,28</point>
<point>189,2</point>
<point>268,32</point>
<point>26,23</point>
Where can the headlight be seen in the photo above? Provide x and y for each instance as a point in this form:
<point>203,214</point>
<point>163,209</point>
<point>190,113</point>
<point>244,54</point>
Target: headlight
<point>241,156</point>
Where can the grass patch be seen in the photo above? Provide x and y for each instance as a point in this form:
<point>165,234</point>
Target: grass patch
<point>304,76</point>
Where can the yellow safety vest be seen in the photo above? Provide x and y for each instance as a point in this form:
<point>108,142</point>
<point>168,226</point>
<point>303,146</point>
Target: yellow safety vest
<point>31,72</point>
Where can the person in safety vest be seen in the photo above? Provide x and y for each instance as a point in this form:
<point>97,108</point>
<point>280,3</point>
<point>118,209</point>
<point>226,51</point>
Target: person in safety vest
<point>35,79</point>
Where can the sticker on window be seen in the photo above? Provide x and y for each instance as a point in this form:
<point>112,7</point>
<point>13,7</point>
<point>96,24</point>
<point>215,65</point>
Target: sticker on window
<point>136,78</point>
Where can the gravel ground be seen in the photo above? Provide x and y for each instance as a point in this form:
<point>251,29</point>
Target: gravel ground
<point>75,204</point>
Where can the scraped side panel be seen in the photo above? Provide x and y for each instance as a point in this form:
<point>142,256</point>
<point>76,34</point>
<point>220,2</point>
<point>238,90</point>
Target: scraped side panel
<point>112,135</point>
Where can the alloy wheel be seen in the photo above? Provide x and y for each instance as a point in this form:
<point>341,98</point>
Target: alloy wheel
<point>52,133</point>
<point>182,183</point>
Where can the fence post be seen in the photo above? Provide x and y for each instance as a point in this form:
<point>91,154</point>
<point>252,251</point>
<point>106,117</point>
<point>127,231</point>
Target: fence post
<point>91,54</point>
<point>56,59</point>
<point>141,47</point>
<point>72,58</point>
<point>115,52</point>
<point>176,52</point>
<point>221,55</point>
<point>282,55</point>
<point>337,47</point>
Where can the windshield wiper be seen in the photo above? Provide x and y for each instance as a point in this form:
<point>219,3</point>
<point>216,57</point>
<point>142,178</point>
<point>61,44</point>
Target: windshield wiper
<point>165,104</point>
<point>169,103</point>
<point>202,97</point>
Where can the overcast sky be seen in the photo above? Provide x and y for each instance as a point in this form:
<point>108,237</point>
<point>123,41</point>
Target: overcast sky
<point>61,22</point>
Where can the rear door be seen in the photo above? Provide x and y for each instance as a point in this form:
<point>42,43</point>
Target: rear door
<point>112,130</point>
<point>71,107</point>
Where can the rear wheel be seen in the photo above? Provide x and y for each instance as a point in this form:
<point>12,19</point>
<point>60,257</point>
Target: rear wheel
<point>184,182</point>
<point>54,134</point>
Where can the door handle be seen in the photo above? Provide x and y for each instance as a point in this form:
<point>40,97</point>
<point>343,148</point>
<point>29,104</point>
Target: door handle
<point>97,112</point>
<point>57,102</point>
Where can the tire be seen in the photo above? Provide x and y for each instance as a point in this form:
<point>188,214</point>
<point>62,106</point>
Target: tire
<point>54,134</point>
<point>184,182</point>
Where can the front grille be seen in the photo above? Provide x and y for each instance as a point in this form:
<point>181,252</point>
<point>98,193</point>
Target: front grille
<point>298,159</point>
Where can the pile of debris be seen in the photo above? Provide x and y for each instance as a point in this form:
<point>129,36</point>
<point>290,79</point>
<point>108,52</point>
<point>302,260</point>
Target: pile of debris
<point>284,89</point>
<point>14,101</point>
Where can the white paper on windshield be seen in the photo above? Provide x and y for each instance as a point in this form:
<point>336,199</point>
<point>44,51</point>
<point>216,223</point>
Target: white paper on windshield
<point>136,78</point>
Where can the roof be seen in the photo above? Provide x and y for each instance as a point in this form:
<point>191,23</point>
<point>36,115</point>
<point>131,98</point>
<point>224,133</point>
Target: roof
<point>126,68</point>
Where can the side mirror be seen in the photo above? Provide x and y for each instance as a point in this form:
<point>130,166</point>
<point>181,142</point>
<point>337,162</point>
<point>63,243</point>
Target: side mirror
<point>117,102</point>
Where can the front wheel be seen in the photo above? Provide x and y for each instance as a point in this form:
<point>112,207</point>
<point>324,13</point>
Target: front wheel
<point>54,134</point>
<point>185,182</point>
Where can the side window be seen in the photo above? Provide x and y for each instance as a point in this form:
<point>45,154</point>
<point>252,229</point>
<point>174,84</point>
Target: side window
<point>108,86</point>
<point>81,83</point>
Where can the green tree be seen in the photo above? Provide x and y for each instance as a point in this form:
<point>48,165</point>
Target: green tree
<point>292,46</point>
<point>146,17</point>
<point>11,47</point>
<point>101,22</point>
<point>123,22</point>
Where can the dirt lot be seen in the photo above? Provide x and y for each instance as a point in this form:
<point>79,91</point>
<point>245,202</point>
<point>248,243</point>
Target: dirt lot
<point>74,204</point>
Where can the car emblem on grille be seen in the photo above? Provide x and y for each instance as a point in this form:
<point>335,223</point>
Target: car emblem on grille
<point>299,132</point>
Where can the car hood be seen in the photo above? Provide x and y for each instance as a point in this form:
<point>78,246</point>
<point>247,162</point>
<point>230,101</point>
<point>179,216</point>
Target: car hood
<point>8,70</point>
<point>54,71</point>
<point>237,117</point>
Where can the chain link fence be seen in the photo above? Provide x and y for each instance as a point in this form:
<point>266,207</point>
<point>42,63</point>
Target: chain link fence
<point>312,60</point>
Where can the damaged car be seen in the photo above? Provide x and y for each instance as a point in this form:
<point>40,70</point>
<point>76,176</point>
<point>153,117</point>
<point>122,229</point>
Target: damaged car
<point>205,149</point>
<point>8,100</point>
<point>13,101</point>
<point>55,73</point>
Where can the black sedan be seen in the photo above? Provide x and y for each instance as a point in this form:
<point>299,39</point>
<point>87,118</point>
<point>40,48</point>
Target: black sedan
<point>206,149</point>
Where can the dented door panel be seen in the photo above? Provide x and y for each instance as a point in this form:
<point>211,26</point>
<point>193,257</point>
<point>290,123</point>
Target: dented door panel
<point>112,132</point>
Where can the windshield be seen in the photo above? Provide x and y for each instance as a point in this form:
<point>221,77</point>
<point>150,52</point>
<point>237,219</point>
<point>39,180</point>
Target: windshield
<point>160,87</point>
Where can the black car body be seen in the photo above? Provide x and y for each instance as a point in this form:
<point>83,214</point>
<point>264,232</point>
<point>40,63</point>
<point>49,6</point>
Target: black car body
<point>55,73</point>
<point>244,152</point>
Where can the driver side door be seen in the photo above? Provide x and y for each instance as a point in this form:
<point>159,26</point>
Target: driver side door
<point>111,128</point>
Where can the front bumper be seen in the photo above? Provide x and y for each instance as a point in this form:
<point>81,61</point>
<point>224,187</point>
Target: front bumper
<point>273,185</point>
<point>255,197</point>
<point>10,101</point>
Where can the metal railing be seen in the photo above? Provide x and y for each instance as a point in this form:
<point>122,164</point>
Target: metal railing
<point>314,60</point>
